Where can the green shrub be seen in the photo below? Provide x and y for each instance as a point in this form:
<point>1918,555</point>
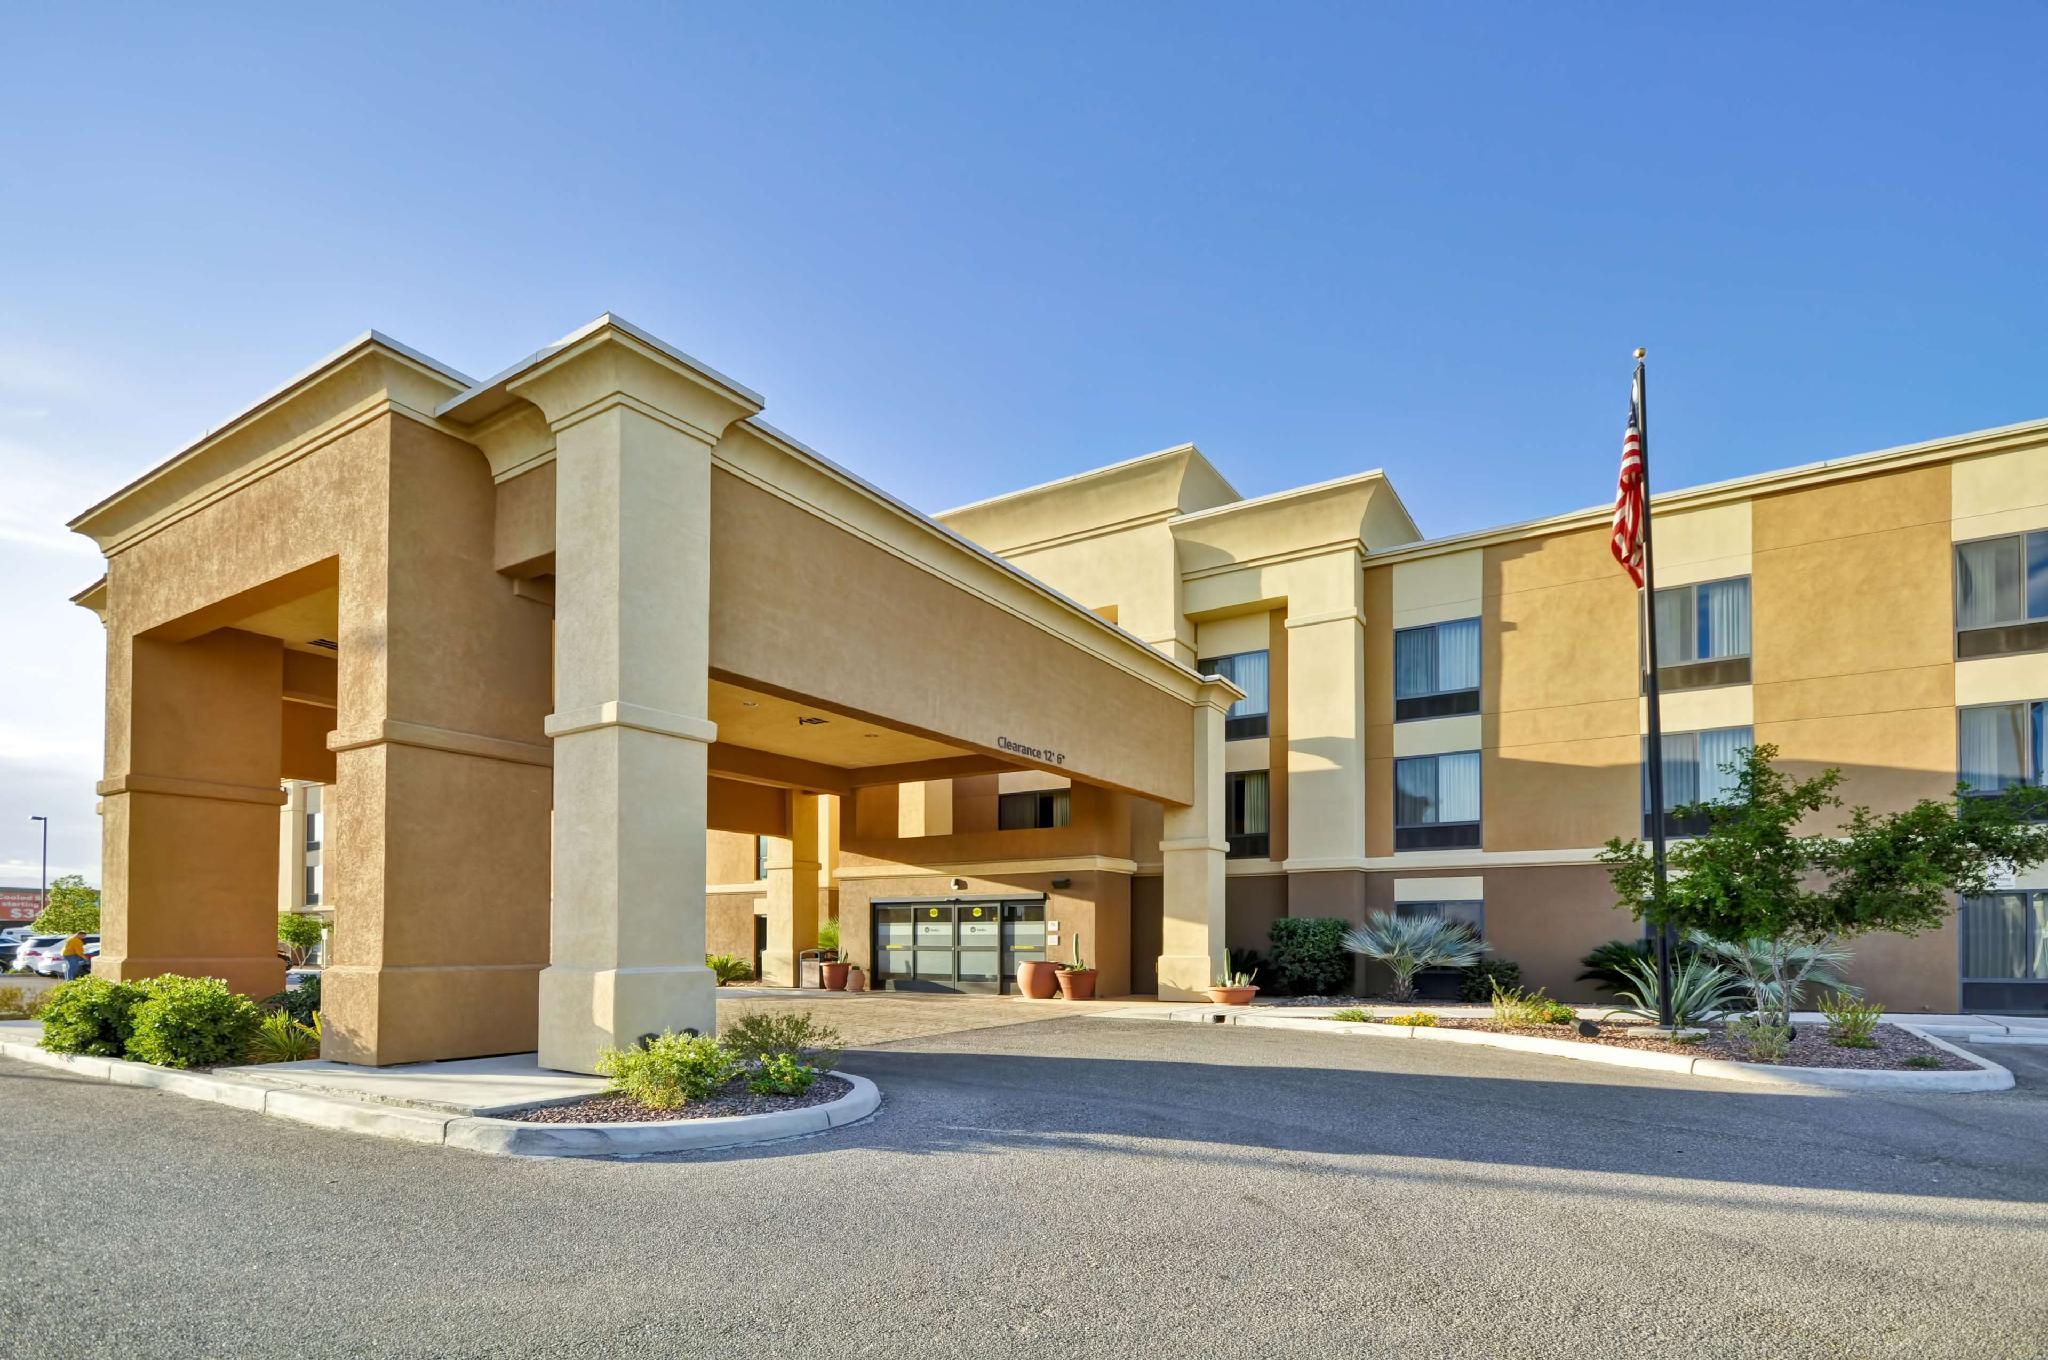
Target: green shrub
<point>1353,1015</point>
<point>759,1037</point>
<point>828,936</point>
<point>192,1022</point>
<point>782,1074</point>
<point>90,1015</point>
<point>17,1004</point>
<point>669,1070</point>
<point>1308,956</point>
<point>1488,976</point>
<point>1851,1023</point>
<point>301,1003</point>
<point>1522,1009</point>
<point>1922,1061</point>
<point>1766,1040</point>
<point>279,1038</point>
<point>727,968</point>
<point>1414,1020</point>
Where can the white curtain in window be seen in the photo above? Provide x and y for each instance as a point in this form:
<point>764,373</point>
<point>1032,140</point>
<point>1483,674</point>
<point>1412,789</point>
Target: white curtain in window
<point>1681,770</point>
<point>1414,791</point>
<point>1995,936</point>
<point>1414,663</point>
<point>1987,583</point>
<point>1724,619</point>
<point>1255,803</point>
<point>2038,963</point>
<point>1991,746</point>
<point>1718,748</point>
<point>1457,787</point>
<point>1062,807</point>
<point>1676,620</point>
<point>1457,655</point>
<point>1249,671</point>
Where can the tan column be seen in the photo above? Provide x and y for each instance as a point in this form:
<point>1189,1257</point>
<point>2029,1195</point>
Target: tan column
<point>189,811</point>
<point>794,877</point>
<point>1191,933</point>
<point>1326,762</point>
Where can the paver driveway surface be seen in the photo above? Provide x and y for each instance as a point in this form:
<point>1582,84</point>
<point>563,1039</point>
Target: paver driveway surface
<point>1073,1187</point>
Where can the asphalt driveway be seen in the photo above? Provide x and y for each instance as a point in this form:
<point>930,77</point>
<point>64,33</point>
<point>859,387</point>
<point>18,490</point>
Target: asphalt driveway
<point>1073,1187</point>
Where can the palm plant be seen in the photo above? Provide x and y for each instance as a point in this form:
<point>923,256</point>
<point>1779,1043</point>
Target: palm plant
<point>1700,990</point>
<point>1409,944</point>
<point>1777,972</point>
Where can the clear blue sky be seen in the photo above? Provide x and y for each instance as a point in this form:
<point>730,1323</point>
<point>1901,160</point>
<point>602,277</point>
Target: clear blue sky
<point>962,250</point>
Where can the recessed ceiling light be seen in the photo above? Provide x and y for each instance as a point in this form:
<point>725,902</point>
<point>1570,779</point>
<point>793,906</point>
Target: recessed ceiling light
<point>750,703</point>
<point>809,721</point>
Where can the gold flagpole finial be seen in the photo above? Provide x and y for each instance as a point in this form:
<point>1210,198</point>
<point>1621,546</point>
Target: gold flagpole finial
<point>1641,352</point>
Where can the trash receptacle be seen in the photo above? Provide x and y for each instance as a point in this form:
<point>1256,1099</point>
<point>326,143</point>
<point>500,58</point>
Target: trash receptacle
<point>809,971</point>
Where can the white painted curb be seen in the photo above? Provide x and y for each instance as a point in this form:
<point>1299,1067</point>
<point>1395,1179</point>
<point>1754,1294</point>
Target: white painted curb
<point>1988,1076</point>
<point>475,1133</point>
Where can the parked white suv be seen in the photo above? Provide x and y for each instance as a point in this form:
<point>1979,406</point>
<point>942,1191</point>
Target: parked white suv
<point>45,953</point>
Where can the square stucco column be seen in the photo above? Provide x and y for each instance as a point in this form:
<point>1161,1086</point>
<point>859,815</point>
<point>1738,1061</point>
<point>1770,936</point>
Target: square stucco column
<point>632,616</point>
<point>189,809</point>
<point>1193,848</point>
<point>793,879</point>
<point>1326,764</point>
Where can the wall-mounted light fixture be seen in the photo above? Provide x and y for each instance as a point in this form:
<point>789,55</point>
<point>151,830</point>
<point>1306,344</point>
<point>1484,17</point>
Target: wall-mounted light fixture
<point>1063,883</point>
<point>958,884</point>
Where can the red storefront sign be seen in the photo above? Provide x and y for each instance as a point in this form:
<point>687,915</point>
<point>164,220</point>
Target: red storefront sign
<point>19,905</point>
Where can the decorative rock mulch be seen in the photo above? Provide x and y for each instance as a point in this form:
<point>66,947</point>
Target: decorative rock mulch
<point>1810,1046</point>
<point>734,1099</point>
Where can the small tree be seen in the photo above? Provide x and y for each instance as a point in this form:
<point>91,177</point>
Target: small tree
<point>71,908</point>
<point>299,934</point>
<point>1754,881</point>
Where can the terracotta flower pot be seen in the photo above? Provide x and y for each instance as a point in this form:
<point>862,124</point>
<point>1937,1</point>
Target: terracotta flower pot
<point>856,979</point>
<point>834,976</point>
<point>1077,984</point>
<point>1233,996</point>
<point>1038,979</point>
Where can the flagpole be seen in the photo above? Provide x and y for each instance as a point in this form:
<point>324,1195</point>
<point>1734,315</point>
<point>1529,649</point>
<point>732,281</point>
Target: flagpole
<point>1656,739</point>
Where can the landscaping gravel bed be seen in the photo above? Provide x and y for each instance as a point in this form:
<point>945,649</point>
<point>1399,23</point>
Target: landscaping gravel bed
<point>734,1099</point>
<point>1810,1046</point>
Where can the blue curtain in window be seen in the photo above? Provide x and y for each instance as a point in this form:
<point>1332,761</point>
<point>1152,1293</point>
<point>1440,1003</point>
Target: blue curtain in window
<point>1718,748</point>
<point>1457,655</point>
<point>1991,746</point>
<point>1724,619</point>
<point>1457,787</point>
<point>1249,671</point>
<point>1414,663</point>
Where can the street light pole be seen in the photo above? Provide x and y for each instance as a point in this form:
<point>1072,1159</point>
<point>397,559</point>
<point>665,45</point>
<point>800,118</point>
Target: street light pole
<point>45,894</point>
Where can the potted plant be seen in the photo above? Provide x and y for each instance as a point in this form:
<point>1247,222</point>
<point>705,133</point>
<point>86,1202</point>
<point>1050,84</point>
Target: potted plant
<point>832,973</point>
<point>1077,979</point>
<point>1234,989</point>
<point>1038,978</point>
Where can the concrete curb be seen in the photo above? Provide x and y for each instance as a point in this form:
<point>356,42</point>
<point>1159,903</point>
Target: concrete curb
<point>1987,1076</point>
<point>473,1133</point>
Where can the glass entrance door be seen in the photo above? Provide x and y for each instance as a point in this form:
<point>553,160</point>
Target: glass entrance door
<point>955,946</point>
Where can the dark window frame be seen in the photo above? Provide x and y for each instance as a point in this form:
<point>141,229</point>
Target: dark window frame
<point>2037,720</point>
<point>1438,835</point>
<point>1243,726</point>
<point>1697,672</point>
<point>1438,703</point>
<point>1677,827</point>
<point>1245,844</point>
<point>1050,809</point>
<point>2028,632</point>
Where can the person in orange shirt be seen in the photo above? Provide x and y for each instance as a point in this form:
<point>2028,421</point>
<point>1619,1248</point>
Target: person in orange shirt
<point>73,954</point>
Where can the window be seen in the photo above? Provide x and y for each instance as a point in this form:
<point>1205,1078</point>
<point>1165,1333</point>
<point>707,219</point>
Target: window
<point>313,807</point>
<point>2002,595</point>
<point>2002,746</point>
<point>1034,810</point>
<point>1436,802</point>
<point>760,858</point>
<point>1471,915</point>
<point>1703,634</point>
<point>313,881</point>
<point>2004,951</point>
<point>1694,772</point>
<point>1250,672</point>
<point>1436,670</point>
<point>1247,814</point>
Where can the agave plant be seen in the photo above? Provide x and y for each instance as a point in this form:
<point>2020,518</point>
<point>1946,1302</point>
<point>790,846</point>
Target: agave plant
<point>1777,972</point>
<point>1700,990</point>
<point>1409,944</point>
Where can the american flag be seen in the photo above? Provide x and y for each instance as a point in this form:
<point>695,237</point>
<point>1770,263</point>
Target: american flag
<point>1628,493</point>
